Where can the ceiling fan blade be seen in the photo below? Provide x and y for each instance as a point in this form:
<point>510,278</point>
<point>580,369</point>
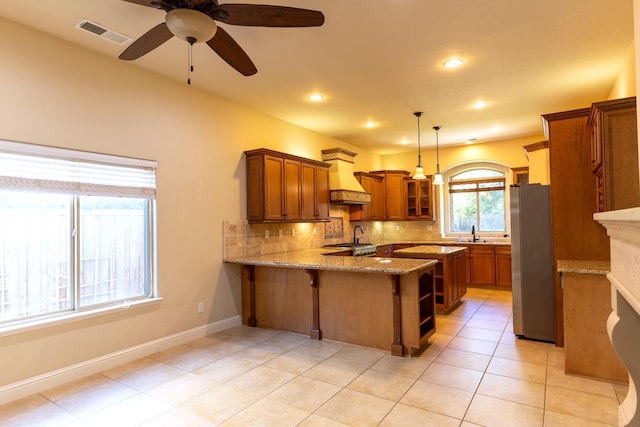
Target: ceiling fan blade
<point>261,15</point>
<point>227,48</point>
<point>147,42</point>
<point>142,2</point>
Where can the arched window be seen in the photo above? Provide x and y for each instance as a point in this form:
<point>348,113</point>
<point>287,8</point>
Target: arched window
<point>477,198</point>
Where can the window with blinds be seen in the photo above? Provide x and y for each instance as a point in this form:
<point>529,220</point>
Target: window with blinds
<point>76,231</point>
<point>477,200</point>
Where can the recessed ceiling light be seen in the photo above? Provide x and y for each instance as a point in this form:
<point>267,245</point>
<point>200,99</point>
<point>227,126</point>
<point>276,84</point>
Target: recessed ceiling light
<point>370,124</point>
<point>452,63</point>
<point>316,97</point>
<point>479,104</point>
<point>404,141</point>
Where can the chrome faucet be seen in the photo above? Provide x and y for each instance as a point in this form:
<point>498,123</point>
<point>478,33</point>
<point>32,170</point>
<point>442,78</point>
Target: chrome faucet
<point>473,233</point>
<point>356,240</point>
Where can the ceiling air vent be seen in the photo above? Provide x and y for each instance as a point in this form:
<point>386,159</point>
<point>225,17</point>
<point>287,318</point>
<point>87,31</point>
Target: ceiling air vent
<point>103,32</point>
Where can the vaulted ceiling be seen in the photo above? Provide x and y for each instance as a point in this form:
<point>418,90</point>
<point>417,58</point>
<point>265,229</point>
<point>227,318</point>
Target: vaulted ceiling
<point>380,61</point>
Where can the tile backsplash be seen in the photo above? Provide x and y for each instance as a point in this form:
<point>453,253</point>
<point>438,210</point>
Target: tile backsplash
<point>244,239</point>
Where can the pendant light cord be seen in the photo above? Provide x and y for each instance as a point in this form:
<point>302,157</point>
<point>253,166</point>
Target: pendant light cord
<point>418,114</point>
<point>437,128</point>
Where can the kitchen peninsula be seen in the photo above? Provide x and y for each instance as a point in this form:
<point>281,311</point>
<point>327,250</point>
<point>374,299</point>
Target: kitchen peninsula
<point>382,303</point>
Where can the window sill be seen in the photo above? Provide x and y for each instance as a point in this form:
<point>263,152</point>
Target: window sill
<point>74,317</point>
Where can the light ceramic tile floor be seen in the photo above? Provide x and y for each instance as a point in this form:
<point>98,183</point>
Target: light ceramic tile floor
<point>474,372</point>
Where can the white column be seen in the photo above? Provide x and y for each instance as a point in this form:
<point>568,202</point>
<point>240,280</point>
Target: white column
<point>623,228</point>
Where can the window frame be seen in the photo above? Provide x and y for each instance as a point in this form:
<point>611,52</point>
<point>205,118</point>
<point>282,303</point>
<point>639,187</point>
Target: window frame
<point>139,185</point>
<point>445,199</point>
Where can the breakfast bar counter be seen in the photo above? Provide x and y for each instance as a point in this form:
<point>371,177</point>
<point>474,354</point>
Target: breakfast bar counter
<point>384,303</point>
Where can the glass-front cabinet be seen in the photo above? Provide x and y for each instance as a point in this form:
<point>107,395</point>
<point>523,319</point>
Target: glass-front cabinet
<point>419,199</point>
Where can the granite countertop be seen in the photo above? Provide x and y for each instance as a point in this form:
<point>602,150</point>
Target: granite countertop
<point>320,259</point>
<point>426,250</point>
<point>583,267</point>
<point>449,242</point>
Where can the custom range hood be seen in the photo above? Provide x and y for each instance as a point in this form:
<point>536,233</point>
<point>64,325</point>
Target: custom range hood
<point>344,188</point>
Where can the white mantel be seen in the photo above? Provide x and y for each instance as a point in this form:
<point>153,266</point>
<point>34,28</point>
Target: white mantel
<point>623,325</point>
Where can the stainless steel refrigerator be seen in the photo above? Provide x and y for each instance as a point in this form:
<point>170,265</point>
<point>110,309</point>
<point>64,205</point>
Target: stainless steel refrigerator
<point>532,262</point>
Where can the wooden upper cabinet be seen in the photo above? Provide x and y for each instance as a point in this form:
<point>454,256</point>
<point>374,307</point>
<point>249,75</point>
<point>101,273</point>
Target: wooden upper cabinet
<point>374,211</point>
<point>293,190</point>
<point>418,198</point>
<point>286,188</point>
<point>322,192</point>
<point>394,193</point>
<point>614,153</point>
<point>308,191</point>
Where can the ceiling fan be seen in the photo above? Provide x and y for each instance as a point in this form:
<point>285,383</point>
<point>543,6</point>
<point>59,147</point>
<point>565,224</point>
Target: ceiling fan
<point>194,22</point>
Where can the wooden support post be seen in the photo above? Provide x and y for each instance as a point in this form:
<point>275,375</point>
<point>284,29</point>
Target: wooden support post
<point>396,347</point>
<point>251,270</point>
<point>315,332</point>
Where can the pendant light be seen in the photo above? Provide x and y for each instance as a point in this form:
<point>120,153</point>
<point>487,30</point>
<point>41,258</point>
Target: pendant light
<point>437,178</point>
<point>419,170</point>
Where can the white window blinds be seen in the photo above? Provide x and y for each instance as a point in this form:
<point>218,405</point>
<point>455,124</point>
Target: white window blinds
<point>39,168</point>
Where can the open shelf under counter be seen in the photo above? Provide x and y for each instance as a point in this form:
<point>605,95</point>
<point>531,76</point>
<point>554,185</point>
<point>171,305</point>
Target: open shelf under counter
<point>449,273</point>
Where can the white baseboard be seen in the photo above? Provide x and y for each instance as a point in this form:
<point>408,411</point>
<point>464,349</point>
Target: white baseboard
<point>51,379</point>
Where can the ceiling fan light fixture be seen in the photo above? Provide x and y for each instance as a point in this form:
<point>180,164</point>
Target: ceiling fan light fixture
<point>190,25</point>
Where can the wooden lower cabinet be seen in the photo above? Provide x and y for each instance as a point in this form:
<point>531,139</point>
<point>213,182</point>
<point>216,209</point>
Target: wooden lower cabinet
<point>451,284</point>
<point>450,274</point>
<point>503,266</point>
<point>587,348</point>
<point>390,312</point>
<point>482,265</point>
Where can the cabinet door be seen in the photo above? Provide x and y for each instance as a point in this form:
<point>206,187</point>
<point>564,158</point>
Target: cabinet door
<point>424,201</point>
<point>377,199</point>
<point>394,185</point>
<point>411,198</point>
<point>308,190</point>
<point>367,210</point>
<point>292,199</point>
<point>503,266</point>
<point>273,188</point>
<point>322,193</point>
<point>418,199</point>
<point>482,265</point>
<point>374,211</point>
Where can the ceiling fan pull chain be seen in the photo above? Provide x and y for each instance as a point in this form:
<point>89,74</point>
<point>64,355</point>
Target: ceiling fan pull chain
<point>190,60</point>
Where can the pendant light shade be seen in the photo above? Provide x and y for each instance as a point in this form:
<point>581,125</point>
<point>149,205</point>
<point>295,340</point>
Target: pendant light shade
<point>437,178</point>
<point>419,169</point>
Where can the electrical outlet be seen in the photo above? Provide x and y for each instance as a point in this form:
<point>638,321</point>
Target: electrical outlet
<point>314,231</point>
<point>429,227</point>
<point>280,233</point>
<point>266,234</point>
<point>200,307</point>
<point>293,232</point>
<point>397,228</point>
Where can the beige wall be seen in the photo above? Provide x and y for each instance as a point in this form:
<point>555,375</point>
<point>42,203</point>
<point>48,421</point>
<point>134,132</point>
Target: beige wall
<point>509,153</point>
<point>55,93</point>
<point>539,167</point>
<point>625,84</point>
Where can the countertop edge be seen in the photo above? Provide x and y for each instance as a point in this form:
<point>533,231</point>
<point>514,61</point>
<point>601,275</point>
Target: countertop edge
<point>583,266</point>
<point>368,264</point>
